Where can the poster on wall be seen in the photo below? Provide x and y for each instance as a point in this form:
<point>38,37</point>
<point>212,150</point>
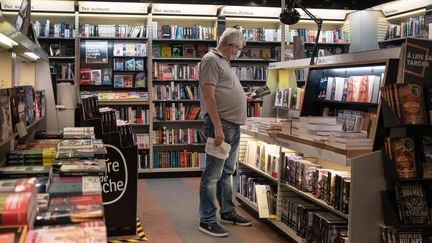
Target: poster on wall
<point>96,51</point>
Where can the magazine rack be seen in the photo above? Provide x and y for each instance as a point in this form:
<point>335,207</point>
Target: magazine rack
<point>119,186</point>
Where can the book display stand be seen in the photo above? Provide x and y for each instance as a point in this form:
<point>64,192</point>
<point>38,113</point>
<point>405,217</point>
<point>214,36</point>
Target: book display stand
<point>119,186</point>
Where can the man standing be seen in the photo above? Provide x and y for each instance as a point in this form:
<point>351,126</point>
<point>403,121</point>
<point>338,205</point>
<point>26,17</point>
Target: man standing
<point>223,106</point>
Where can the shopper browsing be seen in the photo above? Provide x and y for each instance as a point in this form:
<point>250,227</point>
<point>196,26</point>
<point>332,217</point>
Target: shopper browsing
<point>223,106</point>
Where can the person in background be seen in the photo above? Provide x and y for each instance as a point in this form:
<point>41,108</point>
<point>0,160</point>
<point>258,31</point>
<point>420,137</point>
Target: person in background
<point>223,107</point>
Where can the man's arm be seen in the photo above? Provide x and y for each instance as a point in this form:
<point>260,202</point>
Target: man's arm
<point>211,107</point>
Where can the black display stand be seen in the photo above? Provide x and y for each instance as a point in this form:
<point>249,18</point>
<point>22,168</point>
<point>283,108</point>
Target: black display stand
<point>119,185</point>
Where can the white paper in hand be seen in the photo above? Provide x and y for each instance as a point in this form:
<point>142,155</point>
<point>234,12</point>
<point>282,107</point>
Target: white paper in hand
<point>220,152</point>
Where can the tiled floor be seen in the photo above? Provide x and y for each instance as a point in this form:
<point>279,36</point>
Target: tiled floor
<point>168,210</point>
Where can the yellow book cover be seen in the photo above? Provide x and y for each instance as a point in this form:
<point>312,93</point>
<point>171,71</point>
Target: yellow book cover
<point>166,51</point>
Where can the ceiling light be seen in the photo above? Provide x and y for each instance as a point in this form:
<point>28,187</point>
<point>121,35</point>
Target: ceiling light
<point>31,55</point>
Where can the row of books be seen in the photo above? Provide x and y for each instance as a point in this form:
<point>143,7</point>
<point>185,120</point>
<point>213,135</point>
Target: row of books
<point>350,89</point>
<point>144,160</point>
<point>121,49</point>
<point>301,75</point>
<point>117,96</point>
<point>179,159</point>
<point>246,186</point>
<point>195,32</point>
<point>333,187</point>
<point>176,112</point>
<point>64,71</point>
<point>291,98</point>
<point>130,81</point>
<point>311,222</point>
<point>260,53</point>
<point>180,50</point>
<point>254,109</point>
<point>113,31</point>
<point>48,29</point>
<point>128,64</point>
<point>263,156</point>
<point>168,71</point>
<point>329,36</point>
<point>20,106</point>
<point>90,76</point>
<point>411,157</point>
<point>261,34</point>
<point>134,115</point>
<point>255,72</point>
<point>412,26</point>
<point>391,234</point>
<point>411,103</point>
<point>60,49</point>
<point>176,92</point>
<point>142,140</point>
<point>179,136</point>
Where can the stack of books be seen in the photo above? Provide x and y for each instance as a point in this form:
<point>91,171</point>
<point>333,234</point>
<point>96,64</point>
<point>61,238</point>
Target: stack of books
<point>179,159</point>
<point>350,140</point>
<point>315,128</point>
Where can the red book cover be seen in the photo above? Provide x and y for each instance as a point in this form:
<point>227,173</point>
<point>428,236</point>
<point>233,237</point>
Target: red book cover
<point>411,102</point>
<point>85,76</point>
<point>15,210</point>
<point>77,200</point>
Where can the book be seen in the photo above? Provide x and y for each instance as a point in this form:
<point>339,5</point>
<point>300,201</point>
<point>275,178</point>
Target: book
<point>176,50</point>
<point>139,64</point>
<point>18,185</point>
<point>412,203</point>
<point>260,92</point>
<point>106,76</point>
<point>157,51</point>
<point>82,168</point>
<point>130,64</point>
<point>94,231</point>
<point>5,116</point>
<point>118,64</point>
<point>130,49</point>
<point>414,64</point>
<point>68,186</point>
<point>91,214</point>
<point>402,152</point>
<point>426,156</point>
<point>140,80</point>
<point>128,80</point>
<point>18,208</point>
<point>72,203</point>
<point>24,171</point>
<point>189,50</point>
<point>118,81</point>
<point>202,49</point>
<point>13,234</point>
<point>118,49</point>
<point>411,100</point>
<point>165,51</point>
<point>141,49</point>
<point>68,144</point>
<point>85,76</point>
<point>96,77</point>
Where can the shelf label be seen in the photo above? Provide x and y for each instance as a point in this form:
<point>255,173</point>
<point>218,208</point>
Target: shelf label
<point>42,6</point>
<point>113,7</point>
<point>267,12</point>
<point>184,9</point>
<point>400,6</point>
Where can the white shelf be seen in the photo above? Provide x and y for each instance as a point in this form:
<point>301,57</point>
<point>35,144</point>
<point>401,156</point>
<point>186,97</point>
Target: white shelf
<point>287,230</point>
<point>158,170</point>
<point>258,171</point>
<point>320,202</point>
<point>319,149</point>
<point>260,136</point>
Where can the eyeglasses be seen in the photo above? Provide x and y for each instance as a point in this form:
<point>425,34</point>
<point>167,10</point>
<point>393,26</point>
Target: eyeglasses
<point>240,49</point>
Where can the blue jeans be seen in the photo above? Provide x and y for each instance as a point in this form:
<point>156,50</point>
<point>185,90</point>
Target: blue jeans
<point>216,180</point>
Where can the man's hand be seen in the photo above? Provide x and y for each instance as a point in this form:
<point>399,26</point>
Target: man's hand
<point>248,95</point>
<point>219,136</point>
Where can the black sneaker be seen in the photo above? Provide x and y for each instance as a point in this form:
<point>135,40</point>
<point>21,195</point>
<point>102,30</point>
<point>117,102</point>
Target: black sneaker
<point>237,219</point>
<point>213,229</point>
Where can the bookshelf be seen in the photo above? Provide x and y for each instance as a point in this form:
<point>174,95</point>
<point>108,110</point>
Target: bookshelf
<point>363,165</point>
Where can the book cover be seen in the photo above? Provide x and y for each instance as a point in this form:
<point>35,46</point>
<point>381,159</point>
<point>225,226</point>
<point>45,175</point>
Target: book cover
<point>426,156</point>
<point>128,80</point>
<point>106,76</point>
<point>157,51</point>
<point>141,49</point>
<point>165,51</point>
<point>140,80</point>
<point>67,144</point>
<point>411,103</point>
<point>189,50</point>
<point>202,49</point>
<point>17,208</point>
<point>70,203</point>
<point>416,64</point>
<point>130,64</point>
<point>118,64</point>
<point>265,52</point>
<point>118,49</point>
<point>69,217</point>
<point>118,81</point>
<point>412,203</point>
<point>364,89</point>
<point>176,50</point>
<point>85,76</point>
<point>18,185</point>
<point>130,50</point>
<point>86,185</point>
<point>5,116</point>
<point>96,76</point>
<point>139,64</point>
<point>82,168</point>
<point>403,153</point>
<point>24,171</point>
<point>73,233</point>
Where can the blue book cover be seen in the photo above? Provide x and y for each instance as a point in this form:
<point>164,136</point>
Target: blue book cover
<point>118,81</point>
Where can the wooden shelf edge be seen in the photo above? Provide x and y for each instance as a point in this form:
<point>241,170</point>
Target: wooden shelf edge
<point>159,170</point>
<point>320,202</point>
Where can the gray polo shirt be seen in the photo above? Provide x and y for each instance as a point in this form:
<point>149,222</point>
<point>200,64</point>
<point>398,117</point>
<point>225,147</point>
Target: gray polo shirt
<point>215,69</point>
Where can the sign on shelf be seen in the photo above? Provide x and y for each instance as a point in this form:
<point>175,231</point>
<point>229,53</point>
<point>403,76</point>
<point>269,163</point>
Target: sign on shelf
<point>184,9</point>
<point>401,6</point>
<point>113,7</point>
<point>42,6</point>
